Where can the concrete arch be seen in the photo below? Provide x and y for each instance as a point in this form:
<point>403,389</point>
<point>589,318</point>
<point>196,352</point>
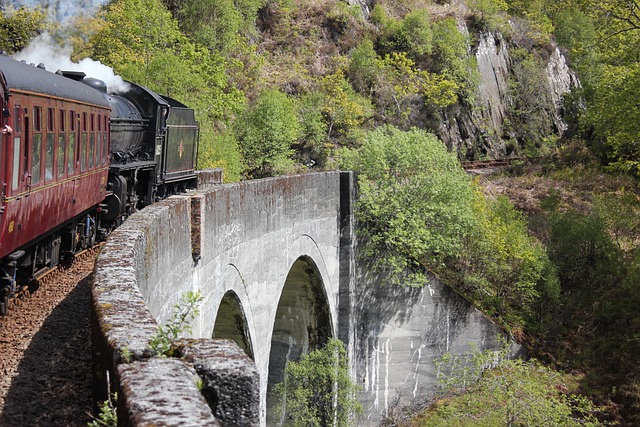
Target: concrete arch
<point>302,322</point>
<point>231,323</point>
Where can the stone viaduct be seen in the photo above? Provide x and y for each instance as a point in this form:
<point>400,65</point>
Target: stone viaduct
<point>276,263</point>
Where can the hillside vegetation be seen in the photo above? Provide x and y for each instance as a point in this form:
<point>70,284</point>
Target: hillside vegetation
<point>549,250</point>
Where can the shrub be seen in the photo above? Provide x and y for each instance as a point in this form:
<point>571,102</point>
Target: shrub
<point>317,390</point>
<point>179,323</point>
<point>267,132</point>
<point>510,393</point>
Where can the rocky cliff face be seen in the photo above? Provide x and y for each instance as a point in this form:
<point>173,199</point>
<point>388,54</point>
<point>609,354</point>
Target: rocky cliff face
<point>495,124</point>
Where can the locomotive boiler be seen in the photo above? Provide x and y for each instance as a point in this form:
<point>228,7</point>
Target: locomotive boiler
<point>79,161</point>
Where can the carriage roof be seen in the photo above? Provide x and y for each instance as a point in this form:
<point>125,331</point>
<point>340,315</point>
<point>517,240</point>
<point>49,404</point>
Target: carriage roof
<point>21,76</point>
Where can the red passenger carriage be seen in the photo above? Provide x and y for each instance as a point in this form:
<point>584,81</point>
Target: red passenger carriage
<point>53,169</point>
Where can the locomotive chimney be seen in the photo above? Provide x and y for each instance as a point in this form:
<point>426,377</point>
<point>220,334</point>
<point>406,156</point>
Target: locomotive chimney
<point>73,75</point>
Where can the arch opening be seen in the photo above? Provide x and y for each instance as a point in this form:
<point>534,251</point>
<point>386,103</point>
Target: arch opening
<point>231,323</point>
<point>302,323</point>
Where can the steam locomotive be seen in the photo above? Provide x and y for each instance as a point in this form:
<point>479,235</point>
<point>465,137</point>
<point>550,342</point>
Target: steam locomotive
<point>76,161</point>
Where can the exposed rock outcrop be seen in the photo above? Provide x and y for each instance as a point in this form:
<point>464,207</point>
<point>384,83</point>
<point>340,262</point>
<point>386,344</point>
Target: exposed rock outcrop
<point>491,127</point>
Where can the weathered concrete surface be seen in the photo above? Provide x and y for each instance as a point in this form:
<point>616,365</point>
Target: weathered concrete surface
<point>230,379</point>
<point>123,327</point>
<point>259,241</point>
<point>162,392</point>
<point>252,234</point>
<point>401,332</point>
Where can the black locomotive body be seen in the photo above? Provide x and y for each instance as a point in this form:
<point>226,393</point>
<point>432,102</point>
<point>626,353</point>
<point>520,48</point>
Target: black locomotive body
<point>78,161</point>
<point>153,150</point>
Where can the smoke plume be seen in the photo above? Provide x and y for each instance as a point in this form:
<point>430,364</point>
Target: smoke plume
<point>44,50</point>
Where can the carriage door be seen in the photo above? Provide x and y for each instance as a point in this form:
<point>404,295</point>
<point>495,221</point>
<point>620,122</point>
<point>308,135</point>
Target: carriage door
<point>14,164</point>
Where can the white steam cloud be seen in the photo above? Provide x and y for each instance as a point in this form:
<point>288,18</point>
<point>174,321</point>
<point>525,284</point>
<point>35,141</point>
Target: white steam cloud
<point>44,50</point>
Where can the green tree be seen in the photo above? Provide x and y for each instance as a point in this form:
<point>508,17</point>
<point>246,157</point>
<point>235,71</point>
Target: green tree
<point>488,11</point>
<point>503,269</point>
<point>411,35</point>
<point>415,204</point>
<point>267,132</point>
<point>451,58</point>
<point>603,37</point>
<point>399,84</point>
<point>343,108</point>
<point>363,67</point>
<point>313,145</point>
<point>142,42</point>
<point>221,25</point>
<point>19,26</point>
<point>532,107</point>
<point>317,391</point>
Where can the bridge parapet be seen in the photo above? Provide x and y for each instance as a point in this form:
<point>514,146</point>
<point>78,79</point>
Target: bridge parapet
<point>150,386</point>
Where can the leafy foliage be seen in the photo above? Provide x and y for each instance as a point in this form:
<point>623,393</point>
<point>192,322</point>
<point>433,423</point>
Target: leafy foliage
<point>343,108</point>
<point>268,131</point>
<point>420,214</point>
<point>415,203</point>
<point>108,417</point>
<point>19,26</point>
<point>503,269</point>
<point>318,390</point>
<point>411,35</point>
<point>143,43</point>
<point>179,323</point>
<point>532,108</point>
<point>219,25</point>
<point>451,59</point>
<point>511,393</point>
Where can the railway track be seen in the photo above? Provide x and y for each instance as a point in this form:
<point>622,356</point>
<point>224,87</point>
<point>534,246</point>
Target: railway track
<point>49,276</point>
<point>486,164</point>
<point>45,350</point>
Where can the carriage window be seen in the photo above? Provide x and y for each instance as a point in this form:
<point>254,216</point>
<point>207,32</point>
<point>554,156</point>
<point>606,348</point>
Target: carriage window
<point>71,150</point>
<point>83,144</point>
<point>92,141</point>
<point>104,148</point>
<point>49,145</point>
<point>62,145</point>
<point>62,126</point>
<point>92,151</point>
<point>71,147</point>
<point>36,154</point>
<point>62,142</point>
<point>50,119</point>
<point>48,160</point>
<point>17,122</point>
<point>37,119</point>
<point>16,162</point>
<point>17,128</point>
<point>36,149</point>
<point>83,152</point>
